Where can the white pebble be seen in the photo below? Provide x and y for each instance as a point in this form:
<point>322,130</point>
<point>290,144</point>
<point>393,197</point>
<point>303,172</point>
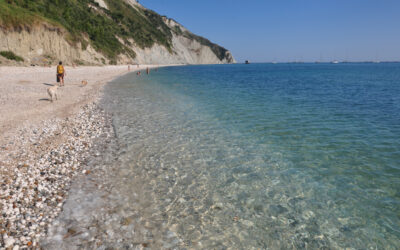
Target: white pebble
<point>9,242</point>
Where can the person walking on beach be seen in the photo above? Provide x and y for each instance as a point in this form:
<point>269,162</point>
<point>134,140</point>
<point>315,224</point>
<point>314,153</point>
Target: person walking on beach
<point>148,70</point>
<point>60,74</point>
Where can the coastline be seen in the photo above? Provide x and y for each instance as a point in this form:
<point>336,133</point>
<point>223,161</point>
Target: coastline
<point>44,145</point>
<point>185,171</point>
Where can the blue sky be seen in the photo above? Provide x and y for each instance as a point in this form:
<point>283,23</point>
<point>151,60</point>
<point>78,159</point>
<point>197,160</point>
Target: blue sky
<point>293,30</point>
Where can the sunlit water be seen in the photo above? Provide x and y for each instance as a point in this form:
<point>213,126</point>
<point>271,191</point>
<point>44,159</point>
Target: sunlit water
<point>260,156</point>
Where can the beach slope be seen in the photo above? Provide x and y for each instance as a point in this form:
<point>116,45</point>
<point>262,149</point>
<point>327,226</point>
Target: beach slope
<point>44,144</point>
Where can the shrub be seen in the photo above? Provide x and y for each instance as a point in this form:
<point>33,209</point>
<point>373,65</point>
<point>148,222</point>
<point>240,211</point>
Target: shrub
<point>11,56</point>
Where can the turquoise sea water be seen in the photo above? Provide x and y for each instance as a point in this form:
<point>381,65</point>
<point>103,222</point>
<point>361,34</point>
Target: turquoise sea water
<point>273,156</point>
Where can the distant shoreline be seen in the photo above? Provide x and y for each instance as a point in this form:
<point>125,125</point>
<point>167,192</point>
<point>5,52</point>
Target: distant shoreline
<point>325,62</point>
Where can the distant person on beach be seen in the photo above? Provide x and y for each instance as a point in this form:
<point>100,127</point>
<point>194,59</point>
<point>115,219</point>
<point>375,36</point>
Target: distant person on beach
<point>60,74</point>
<point>148,70</point>
<point>129,67</point>
<point>138,73</point>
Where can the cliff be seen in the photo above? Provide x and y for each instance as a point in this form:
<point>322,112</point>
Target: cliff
<point>99,32</point>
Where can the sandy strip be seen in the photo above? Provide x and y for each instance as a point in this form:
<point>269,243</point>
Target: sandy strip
<point>44,144</point>
<point>24,100</point>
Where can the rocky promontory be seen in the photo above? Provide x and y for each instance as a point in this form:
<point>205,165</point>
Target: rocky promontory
<point>99,32</point>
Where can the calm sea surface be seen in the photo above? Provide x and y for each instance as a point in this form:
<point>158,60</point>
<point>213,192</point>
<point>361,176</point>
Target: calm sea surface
<point>262,156</point>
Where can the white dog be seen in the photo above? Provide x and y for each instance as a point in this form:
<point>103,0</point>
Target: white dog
<point>52,91</point>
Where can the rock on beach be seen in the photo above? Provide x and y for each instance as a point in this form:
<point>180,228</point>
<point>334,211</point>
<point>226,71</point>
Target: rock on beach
<point>32,194</point>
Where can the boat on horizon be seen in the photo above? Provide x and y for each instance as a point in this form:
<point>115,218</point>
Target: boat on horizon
<point>247,62</point>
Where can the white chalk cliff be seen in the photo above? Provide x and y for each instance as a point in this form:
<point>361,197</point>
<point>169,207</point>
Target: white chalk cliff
<point>47,43</point>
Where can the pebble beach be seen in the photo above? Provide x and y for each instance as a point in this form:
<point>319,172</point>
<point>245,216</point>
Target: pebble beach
<point>44,145</point>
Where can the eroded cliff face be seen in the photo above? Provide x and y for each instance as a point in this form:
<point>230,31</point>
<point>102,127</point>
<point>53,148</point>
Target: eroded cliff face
<point>185,51</point>
<point>45,44</point>
<point>193,51</point>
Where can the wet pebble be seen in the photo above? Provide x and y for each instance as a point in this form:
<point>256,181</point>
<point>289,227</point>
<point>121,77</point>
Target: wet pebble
<point>276,210</point>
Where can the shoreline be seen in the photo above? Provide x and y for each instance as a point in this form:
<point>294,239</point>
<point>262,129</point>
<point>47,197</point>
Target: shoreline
<point>24,99</point>
<point>44,145</point>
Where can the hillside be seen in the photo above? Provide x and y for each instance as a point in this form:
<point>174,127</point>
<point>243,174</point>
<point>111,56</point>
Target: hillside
<point>99,32</point>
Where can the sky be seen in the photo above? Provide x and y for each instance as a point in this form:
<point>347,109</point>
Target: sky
<point>293,30</point>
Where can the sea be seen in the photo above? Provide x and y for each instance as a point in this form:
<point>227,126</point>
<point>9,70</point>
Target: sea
<point>258,156</point>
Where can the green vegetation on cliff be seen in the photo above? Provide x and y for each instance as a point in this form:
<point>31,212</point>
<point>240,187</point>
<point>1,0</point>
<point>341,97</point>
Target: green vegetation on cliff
<point>87,22</point>
<point>11,56</point>
<point>12,16</point>
<point>110,31</point>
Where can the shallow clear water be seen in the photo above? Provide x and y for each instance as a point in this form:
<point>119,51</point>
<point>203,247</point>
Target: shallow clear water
<point>262,155</point>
